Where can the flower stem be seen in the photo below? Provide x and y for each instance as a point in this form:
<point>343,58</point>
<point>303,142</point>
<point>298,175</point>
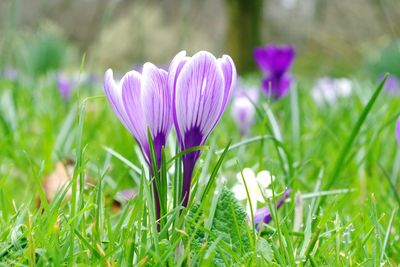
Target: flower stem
<point>188,166</point>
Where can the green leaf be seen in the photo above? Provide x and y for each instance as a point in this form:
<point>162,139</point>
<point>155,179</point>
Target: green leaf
<point>264,250</point>
<point>229,227</point>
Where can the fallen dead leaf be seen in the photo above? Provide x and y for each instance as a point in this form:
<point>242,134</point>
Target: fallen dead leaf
<point>58,179</point>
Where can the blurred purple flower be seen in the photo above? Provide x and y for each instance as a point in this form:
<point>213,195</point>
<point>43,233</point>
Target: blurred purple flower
<point>201,86</point>
<point>392,84</point>
<point>64,85</point>
<point>398,130</point>
<point>10,73</point>
<point>263,215</point>
<point>275,61</point>
<point>142,101</point>
<point>243,109</point>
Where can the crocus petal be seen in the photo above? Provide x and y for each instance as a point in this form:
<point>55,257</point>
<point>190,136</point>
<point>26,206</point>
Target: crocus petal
<point>156,99</point>
<point>199,92</point>
<point>274,59</point>
<point>131,98</point>
<point>175,68</point>
<point>277,86</point>
<point>230,77</point>
<point>173,72</point>
<point>398,131</point>
<point>113,93</point>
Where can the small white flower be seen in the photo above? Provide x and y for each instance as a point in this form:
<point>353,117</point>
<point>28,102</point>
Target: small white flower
<point>256,185</point>
<point>327,90</point>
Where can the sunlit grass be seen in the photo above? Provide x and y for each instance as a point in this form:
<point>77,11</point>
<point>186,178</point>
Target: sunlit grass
<point>342,159</point>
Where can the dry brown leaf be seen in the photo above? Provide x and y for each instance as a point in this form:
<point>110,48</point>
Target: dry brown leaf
<point>57,180</point>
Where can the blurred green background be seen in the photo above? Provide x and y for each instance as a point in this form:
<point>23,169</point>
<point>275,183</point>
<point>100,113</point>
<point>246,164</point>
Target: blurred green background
<point>331,37</point>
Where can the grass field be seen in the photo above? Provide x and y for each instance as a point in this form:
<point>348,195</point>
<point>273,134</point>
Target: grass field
<point>341,162</point>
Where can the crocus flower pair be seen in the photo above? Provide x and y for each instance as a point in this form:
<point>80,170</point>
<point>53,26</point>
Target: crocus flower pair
<point>275,61</point>
<point>192,96</point>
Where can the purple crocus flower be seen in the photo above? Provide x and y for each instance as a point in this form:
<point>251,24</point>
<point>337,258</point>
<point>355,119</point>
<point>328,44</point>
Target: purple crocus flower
<point>263,215</point>
<point>142,101</point>
<point>243,109</point>
<point>398,130</point>
<point>275,61</point>
<point>64,85</point>
<point>201,86</point>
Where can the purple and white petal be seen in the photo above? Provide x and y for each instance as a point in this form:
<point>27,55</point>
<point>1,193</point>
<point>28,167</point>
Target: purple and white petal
<point>175,68</point>
<point>131,100</point>
<point>230,78</point>
<point>199,93</point>
<point>173,72</point>
<point>156,99</point>
<point>113,91</point>
<point>201,87</point>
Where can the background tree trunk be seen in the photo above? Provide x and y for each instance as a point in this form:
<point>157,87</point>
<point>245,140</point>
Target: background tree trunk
<point>244,31</point>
